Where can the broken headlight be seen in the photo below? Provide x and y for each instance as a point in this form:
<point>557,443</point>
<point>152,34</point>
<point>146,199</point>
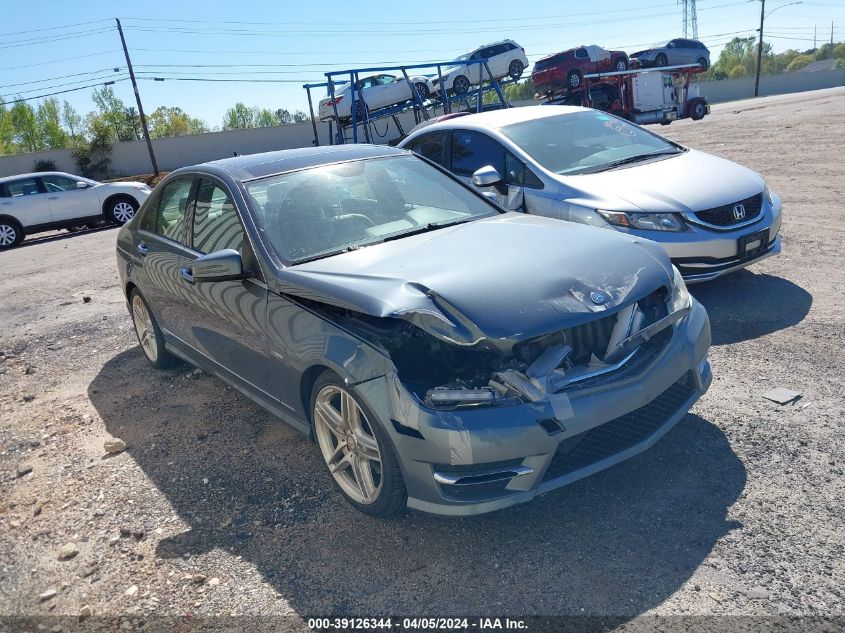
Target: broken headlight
<point>681,298</point>
<point>448,397</point>
<point>644,221</point>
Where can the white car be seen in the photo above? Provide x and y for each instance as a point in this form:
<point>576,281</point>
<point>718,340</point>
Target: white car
<point>376,91</point>
<point>505,59</point>
<point>45,201</point>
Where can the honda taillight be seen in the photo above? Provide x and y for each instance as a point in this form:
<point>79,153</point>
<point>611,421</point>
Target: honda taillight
<point>333,102</point>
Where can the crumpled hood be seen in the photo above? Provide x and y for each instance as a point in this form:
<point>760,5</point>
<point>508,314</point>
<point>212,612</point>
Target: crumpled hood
<point>689,182</point>
<point>498,280</point>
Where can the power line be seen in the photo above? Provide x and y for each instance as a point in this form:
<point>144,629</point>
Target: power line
<point>54,28</point>
<point>69,83</point>
<point>69,36</point>
<point>63,59</point>
<point>40,81</point>
<point>61,92</point>
<point>256,81</point>
<point>383,33</point>
<point>508,20</point>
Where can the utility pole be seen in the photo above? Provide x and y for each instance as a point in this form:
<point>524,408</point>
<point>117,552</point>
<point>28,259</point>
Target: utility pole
<point>759,49</point>
<point>138,99</point>
<point>831,39</point>
<point>815,48</point>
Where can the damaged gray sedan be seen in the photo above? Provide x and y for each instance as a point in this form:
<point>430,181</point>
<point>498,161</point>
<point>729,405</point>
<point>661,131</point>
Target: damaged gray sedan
<point>444,355</point>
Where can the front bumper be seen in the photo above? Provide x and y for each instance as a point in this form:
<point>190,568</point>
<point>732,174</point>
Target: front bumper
<point>543,445</point>
<point>703,253</point>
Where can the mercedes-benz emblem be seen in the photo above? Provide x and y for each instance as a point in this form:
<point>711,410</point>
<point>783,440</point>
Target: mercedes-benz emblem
<point>598,297</point>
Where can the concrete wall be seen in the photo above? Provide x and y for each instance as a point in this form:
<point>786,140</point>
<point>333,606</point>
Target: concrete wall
<point>132,157</point>
<point>734,89</point>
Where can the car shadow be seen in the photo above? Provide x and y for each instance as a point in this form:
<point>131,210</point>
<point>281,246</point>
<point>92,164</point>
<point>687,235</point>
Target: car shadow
<point>617,543</point>
<point>746,305</point>
<point>61,234</point>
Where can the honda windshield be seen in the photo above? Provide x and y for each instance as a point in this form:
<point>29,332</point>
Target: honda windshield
<point>586,142</point>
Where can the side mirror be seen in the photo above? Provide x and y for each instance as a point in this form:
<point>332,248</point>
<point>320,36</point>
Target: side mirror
<point>80,184</point>
<point>486,177</point>
<point>225,265</point>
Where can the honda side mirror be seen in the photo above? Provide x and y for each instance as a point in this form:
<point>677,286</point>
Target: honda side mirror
<point>486,176</point>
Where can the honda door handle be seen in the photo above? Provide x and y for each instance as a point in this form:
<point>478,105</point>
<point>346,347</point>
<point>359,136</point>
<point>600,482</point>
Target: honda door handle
<point>142,248</point>
<point>186,274</point>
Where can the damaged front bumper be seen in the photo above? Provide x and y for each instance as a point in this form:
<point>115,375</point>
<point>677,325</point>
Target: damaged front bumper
<point>473,460</point>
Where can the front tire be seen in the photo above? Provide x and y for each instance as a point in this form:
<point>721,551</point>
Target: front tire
<point>422,90</point>
<point>461,85</point>
<point>703,63</point>
<point>515,69</point>
<point>149,334</point>
<point>356,450</point>
<point>698,110</point>
<point>661,60</point>
<point>121,209</point>
<point>11,233</point>
<point>621,65</point>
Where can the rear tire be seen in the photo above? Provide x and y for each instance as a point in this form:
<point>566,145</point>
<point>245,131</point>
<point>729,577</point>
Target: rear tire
<point>422,90</point>
<point>621,65</point>
<point>698,110</point>
<point>149,334</point>
<point>515,69</point>
<point>121,209</point>
<point>11,233</point>
<point>573,79</point>
<point>461,85</point>
<point>703,63</point>
<point>363,464</point>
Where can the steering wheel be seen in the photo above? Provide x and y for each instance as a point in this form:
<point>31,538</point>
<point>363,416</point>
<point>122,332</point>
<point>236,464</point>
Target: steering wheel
<point>358,216</point>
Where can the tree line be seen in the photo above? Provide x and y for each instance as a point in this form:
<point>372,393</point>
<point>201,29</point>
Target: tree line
<point>53,125</point>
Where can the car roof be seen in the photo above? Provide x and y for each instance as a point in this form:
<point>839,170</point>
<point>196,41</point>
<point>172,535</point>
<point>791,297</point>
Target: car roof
<point>492,44</point>
<point>269,163</point>
<point>501,118</point>
<point>37,173</point>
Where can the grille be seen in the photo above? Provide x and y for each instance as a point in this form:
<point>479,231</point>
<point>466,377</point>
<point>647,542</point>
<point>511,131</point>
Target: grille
<point>621,433</point>
<point>724,215</point>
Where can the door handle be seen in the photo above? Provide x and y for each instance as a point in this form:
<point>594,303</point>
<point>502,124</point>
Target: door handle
<point>186,274</point>
<point>143,249</point>
<point>53,198</point>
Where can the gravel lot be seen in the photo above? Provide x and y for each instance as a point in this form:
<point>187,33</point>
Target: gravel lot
<point>216,509</point>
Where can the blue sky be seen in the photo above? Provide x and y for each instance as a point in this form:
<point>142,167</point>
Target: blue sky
<point>41,50</point>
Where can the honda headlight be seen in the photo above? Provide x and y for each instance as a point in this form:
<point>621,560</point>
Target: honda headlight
<point>767,195</point>
<point>644,221</point>
<point>681,298</point>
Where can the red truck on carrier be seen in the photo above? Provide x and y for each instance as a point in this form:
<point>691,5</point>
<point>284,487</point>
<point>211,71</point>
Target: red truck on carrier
<point>655,95</point>
<point>567,68</point>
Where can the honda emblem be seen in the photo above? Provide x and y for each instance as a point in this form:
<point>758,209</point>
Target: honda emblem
<point>739,211</point>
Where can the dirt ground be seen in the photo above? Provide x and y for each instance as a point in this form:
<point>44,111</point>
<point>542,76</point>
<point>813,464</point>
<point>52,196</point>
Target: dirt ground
<point>217,509</point>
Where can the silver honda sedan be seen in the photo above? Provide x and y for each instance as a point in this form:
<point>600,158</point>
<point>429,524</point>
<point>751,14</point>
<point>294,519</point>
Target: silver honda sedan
<point>711,216</point>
